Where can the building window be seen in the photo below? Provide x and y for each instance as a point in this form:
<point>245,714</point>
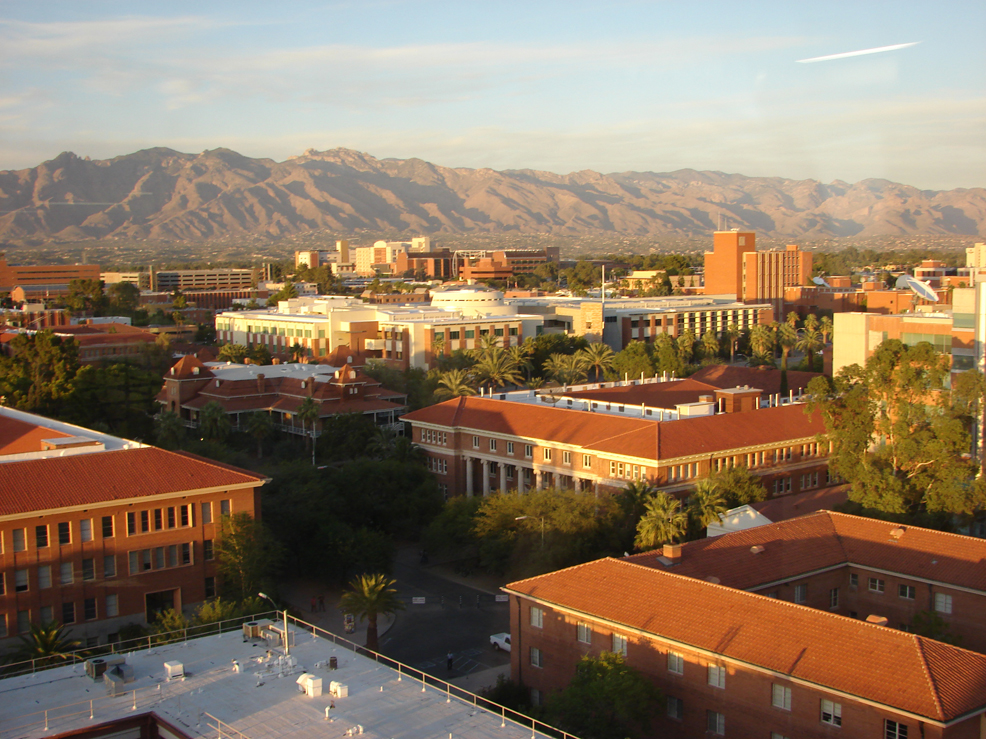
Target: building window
<point>536,659</point>
<point>510,448</point>
<point>131,523</point>
<point>586,461</point>
<point>207,513</point>
<point>876,585</point>
<point>85,529</point>
<point>717,676</point>
<point>676,708</point>
<point>171,517</point>
<point>780,697</point>
<point>547,455</point>
<point>20,540</point>
<point>107,527</point>
<point>44,577</point>
<point>23,622</point>
<point>853,580</point>
<point>831,713</point>
<point>66,575</point>
<point>943,603</point>
<point>109,565</point>
<point>3,626</point>
<point>715,723</point>
<point>620,645</point>
<point>41,536</point>
<point>186,554</point>
<point>584,633</point>
<point>158,519</point>
<point>210,587</point>
<point>89,609</point>
<point>535,697</point>
<point>528,451</point>
<point>68,613</point>
<point>20,581</point>
<point>800,593</point>
<point>185,515</point>
<point>224,508</point>
<point>492,445</point>
<point>906,591</point>
<point>475,442</point>
<point>207,550</point>
<point>676,663</point>
<point>894,730</point>
<point>89,569</point>
<point>537,617</point>
<point>145,521</point>
<point>112,606</point>
<point>834,598</point>
<point>566,457</point>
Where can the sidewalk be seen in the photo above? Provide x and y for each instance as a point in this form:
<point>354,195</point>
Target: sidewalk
<point>474,682</point>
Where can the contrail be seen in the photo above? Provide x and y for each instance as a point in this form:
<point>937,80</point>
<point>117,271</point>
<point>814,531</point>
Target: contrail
<point>862,52</point>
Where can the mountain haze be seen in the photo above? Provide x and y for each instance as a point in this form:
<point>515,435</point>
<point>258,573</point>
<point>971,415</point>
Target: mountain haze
<point>164,194</point>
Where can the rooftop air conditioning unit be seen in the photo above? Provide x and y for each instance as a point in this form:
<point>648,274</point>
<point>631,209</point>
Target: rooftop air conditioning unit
<point>96,666</point>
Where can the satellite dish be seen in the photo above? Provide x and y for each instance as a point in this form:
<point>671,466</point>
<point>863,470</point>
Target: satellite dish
<point>921,289</point>
<point>820,281</point>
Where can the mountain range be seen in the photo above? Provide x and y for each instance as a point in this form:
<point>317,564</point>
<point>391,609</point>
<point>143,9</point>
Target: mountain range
<point>167,195</point>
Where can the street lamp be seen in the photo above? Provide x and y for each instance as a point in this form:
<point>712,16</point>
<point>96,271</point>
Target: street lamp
<point>522,518</point>
<point>285,612</point>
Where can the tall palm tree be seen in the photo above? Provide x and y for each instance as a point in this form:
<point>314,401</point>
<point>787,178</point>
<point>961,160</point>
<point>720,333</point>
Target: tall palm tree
<point>368,597</point>
<point>260,426</point>
<point>787,337</point>
<point>663,521</point>
<point>522,356</point>
<point>710,344</point>
<point>761,341</point>
<point>810,342</point>
<point>497,368</point>
<point>686,346</point>
<point>169,431</point>
<point>707,503</point>
<point>732,333</point>
<point>598,357</point>
<point>454,383</point>
<point>811,322</point>
<point>297,352</point>
<point>825,327</point>
<point>566,369</point>
<point>308,412</point>
<point>48,643</point>
<point>791,319</point>
<point>213,422</point>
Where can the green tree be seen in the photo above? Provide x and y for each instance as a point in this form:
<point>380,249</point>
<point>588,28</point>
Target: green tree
<point>48,643</point>
<point>663,521</point>
<point>686,346</point>
<point>607,699</point>
<point>454,383</point>
<point>260,426</point>
<point>521,355</point>
<point>246,554</point>
<point>810,342</point>
<point>710,344</point>
<point>308,414</point>
<point>599,358</point>
<point>762,342</point>
<point>40,375</point>
<point>739,486</point>
<point>297,351</point>
<point>86,297</point>
<point>633,361</point>
<point>707,503</point>
<point>213,422</point>
<point>496,368</point>
<point>732,334</point>
<point>234,353</point>
<point>124,298</point>
<point>566,369</point>
<point>369,597</point>
<point>825,328</point>
<point>666,358</point>
<point>169,430</point>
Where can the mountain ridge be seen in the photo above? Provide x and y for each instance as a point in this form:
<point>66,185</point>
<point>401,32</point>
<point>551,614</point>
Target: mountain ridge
<point>160,193</point>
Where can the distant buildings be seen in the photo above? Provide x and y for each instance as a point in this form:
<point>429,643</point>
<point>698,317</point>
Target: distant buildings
<point>42,282</point>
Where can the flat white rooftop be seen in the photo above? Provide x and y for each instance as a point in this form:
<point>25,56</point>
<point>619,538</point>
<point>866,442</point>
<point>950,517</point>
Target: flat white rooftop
<point>260,701</point>
<point>296,370</point>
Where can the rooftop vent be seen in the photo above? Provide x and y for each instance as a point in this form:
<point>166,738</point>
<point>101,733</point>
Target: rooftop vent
<point>878,620</point>
<point>756,549</point>
<point>896,533</point>
<point>713,579</point>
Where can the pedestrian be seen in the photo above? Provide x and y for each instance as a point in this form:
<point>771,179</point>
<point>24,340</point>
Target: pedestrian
<point>313,604</point>
<point>321,603</point>
<point>448,661</point>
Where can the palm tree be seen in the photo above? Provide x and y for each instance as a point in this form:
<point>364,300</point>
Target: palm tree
<point>663,521</point>
<point>213,422</point>
<point>710,344</point>
<point>825,326</point>
<point>598,357</point>
<point>522,356</point>
<point>707,503</point>
<point>732,334</point>
<point>811,341</point>
<point>686,346</point>
<point>454,383</point>
<point>307,412</point>
<point>297,352</point>
<point>811,322</point>
<point>496,368</point>
<point>260,426</point>
<point>48,643</point>
<point>566,369</point>
<point>368,597</point>
<point>234,353</point>
<point>787,338</point>
<point>761,341</point>
<point>407,451</point>
<point>791,319</point>
<point>169,431</point>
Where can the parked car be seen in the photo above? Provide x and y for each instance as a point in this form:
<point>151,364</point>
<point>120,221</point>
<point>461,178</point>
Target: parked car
<point>501,641</point>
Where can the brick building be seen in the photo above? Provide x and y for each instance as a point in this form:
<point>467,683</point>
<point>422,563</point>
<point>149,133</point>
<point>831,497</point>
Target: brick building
<point>745,664</point>
<point>97,532</point>
<point>53,278</point>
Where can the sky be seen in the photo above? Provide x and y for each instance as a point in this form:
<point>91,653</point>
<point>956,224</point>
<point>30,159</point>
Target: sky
<point>556,86</point>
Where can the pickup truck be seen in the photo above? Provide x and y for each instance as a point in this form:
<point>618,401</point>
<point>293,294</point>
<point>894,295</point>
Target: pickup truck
<point>501,641</point>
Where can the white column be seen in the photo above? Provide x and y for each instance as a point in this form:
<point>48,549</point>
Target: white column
<point>486,477</point>
<point>468,462</point>
<point>578,484</point>
<point>539,480</point>
<point>503,478</point>
<point>521,486</point>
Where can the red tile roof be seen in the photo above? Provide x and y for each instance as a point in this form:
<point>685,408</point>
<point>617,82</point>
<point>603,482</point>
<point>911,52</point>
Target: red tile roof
<point>183,369</point>
<point>893,668</point>
<point>87,479</point>
<point>633,437</point>
<point>19,437</point>
<point>766,379</point>
<point>785,507</point>
<point>656,395</point>
<point>827,539</point>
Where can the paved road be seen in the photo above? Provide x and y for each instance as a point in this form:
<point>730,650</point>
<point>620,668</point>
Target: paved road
<point>423,634</point>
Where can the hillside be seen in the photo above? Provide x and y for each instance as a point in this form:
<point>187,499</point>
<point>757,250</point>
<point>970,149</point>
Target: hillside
<point>167,195</point>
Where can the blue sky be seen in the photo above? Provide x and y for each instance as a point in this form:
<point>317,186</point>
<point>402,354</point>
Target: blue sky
<point>558,86</point>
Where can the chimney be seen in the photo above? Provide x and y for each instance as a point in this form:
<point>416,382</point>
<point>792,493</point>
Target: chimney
<point>878,620</point>
<point>705,398</point>
<point>672,552</point>
<point>275,360</point>
<point>261,383</point>
<point>311,386</point>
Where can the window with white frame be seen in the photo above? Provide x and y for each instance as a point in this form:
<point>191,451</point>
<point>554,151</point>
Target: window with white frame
<point>715,723</point>
<point>44,577</point>
<point>547,455</point>
<point>510,447</point>
<point>584,633</point>
<point>834,598</point>
<point>537,617</point>
<point>620,645</point>
<point>587,461</point>
<point>20,540</point>
<point>943,603</point>
<point>853,580</point>
<point>906,591</point>
<point>566,457</point>
<point>676,663</point>
<point>894,729</point>
<point>876,585</point>
<point>831,713</point>
<point>112,605</point>
<point>65,575</point>
<point>85,529</point>
<point>717,676</point>
<point>492,445</point>
<point>676,708</point>
<point>536,657</point>
<point>475,442</point>
<point>21,582</point>
<point>801,593</point>
<point>780,697</point>
<point>528,450</point>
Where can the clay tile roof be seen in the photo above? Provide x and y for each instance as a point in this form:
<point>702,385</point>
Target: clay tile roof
<point>827,539</point>
<point>87,479</point>
<point>657,395</point>
<point>183,369</point>
<point>19,437</point>
<point>766,379</point>
<point>890,667</point>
